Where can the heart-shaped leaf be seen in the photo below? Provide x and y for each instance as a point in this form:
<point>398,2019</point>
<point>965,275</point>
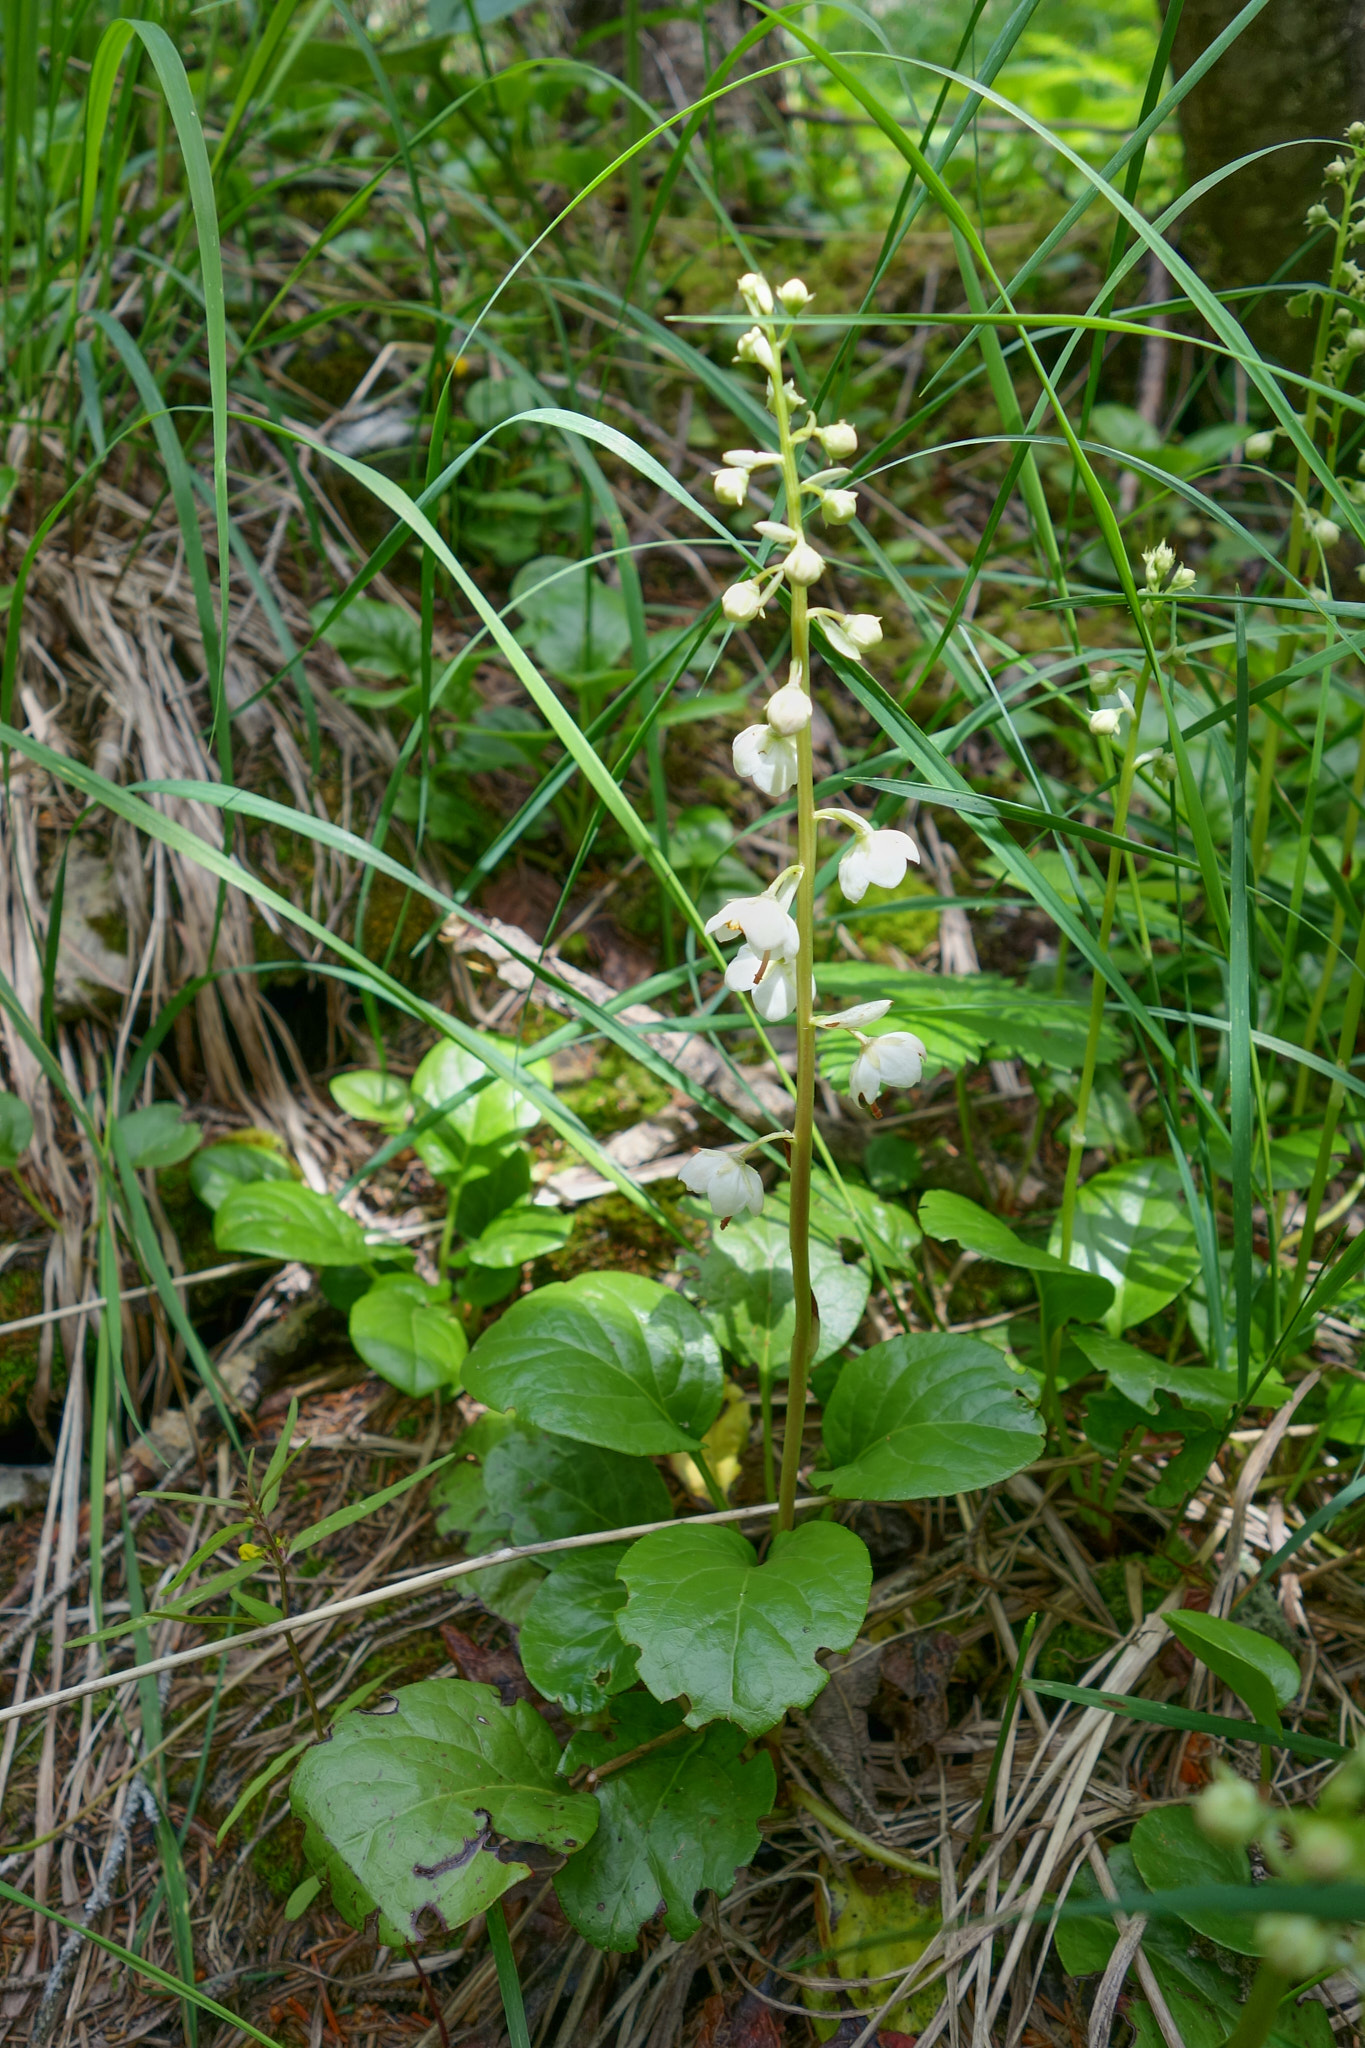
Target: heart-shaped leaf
<point>679,1821</point>
<point>372,1097</point>
<point>219,1170</point>
<point>16,1129</point>
<point>609,1358</point>
<point>404,1331</point>
<point>1173,1854</point>
<point>1259,1670</point>
<point>735,1638</point>
<point>158,1135</point>
<point>924,1415</point>
<point>571,1648</point>
<point>542,1487</point>
<point>419,1806</point>
<point>526,1231</point>
<point>281,1220</point>
<point>1133,1229</point>
<point>497,1112</point>
<point>745,1286</point>
<point>1067,1294</point>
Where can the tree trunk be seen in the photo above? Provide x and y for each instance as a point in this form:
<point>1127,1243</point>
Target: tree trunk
<point>1296,76</point>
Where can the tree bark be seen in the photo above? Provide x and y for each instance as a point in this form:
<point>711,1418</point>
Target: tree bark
<point>1294,78</point>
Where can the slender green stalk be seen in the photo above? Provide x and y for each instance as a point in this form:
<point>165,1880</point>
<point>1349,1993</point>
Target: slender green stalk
<point>1263,2002</point>
<point>509,1983</point>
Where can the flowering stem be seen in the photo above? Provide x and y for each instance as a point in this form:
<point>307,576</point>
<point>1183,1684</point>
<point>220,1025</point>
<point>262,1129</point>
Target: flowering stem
<point>803,909</point>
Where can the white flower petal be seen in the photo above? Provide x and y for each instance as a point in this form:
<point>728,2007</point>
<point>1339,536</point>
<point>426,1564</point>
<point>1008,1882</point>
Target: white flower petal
<point>860,1014</point>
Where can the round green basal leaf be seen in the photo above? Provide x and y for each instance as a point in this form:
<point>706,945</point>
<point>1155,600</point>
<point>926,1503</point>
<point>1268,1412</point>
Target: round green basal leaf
<point>745,1286</point>
<point>16,1129</point>
<point>527,1231</point>
<point>496,1113</point>
<point>218,1170</point>
<point>737,1639</point>
<point>544,1487</point>
<point>404,1331</point>
<point>893,1164</point>
<point>1133,1228</point>
<point>407,1804</point>
<point>158,1135</point>
<point>372,1097</point>
<point>1260,1671</point>
<point>924,1415</point>
<point>607,1359</point>
<point>680,1821</point>
<point>571,1648</point>
<point>281,1220</point>
<point>1170,1853</point>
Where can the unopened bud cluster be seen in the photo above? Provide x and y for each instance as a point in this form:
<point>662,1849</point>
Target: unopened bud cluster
<point>1165,577</point>
<point>772,964</point>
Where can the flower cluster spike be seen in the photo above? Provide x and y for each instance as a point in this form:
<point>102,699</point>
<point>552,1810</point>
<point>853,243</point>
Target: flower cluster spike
<point>772,963</point>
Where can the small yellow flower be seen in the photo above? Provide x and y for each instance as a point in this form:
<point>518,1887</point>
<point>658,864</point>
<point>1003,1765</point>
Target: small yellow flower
<point>250,1553</point>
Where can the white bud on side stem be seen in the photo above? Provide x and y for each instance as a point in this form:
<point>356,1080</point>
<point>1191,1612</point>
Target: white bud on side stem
<point>789,710</point>
<point>731,486</point>
<point>756,293</point>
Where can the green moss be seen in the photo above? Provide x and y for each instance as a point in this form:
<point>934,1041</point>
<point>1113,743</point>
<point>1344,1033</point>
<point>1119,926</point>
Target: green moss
<point>908,931</point>
<point>21,1294</point>
<point>611,1234</point>
<point>278,1859</point>
<point>620,1093</point>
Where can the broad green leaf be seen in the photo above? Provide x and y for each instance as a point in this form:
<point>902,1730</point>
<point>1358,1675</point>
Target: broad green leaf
<point>219,1170</point>
<point>571,1648</point>
<point>1085,1946</point>
<point>925,1415</point>
<point>404,1331</point>
<point>943,1214</point>
<point>459,1495</point>
<point>735,1638</point>
<point>16,1129</point>
<point>281,1220</point>
<point>1292,1159</point>
<point>542,1487</point>
<point>411,1806</point>
<point>745,1287</point>
<point>528,1230</point>
<point>1139,1376</point>
<point>372,1098</point>
<point>675,1823</point>
<point>496,1113</point>
<point>1259,1670</point>
<point>853,1215</point>
<point>576,623</point>
<point>1134,1230</point>
<point>1170,1852</point>
<point>608,1359</point>
<point>965,1018</point>
<point>484,1184</point>
<point>380,638</point>
<point>158,1135</point>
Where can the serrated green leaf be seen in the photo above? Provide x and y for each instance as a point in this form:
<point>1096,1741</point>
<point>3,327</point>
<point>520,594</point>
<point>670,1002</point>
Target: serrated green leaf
<point>281,1220</point>
<point>735,1638</point>
<point>1259,1670</point>
<point>571,1648</point>
<point>745,1287</point>
<point>675,1823</point>
<point>608,1358</point>
<point>927,1414</point>
<point>541,1487</point>
<point>404,1331</point>
<point>412,1806</point>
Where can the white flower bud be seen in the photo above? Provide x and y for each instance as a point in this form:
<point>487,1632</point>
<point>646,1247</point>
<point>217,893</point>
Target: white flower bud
<point>862,630</point>
<point>838,507</point>
<point>1356,133</point>
<point>1230,1812</point>
<point>754,347</point>
<point>794,295</point>
<point>1158,563</point>
<point>756,293</point>
<point>803,565</point>
<point>1322,1851</point>
<point>1337,171</point>
<point>1183,579</point>
<point>1325,531</point>
<point>1258,446</point>
<point>731,486</point>
<point>1293,1944</point>
<point>838,440</point>
<point>789,709</point>
<point>852,1020</point>
<point>741,602</point>
<point>773,529</point>
<point>731,1187</point>
<point>1105,723</point>
<point>1317,216</point>
<point>748,458</point>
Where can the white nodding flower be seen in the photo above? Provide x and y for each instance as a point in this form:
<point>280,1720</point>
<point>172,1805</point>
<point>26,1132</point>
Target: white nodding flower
<point>773,529</point>
<point>794,295</point>
<point>1105,722</point>
<point>838,507</point>
<point>877,857</point>
<point>756,293</point>
<point>748,458</point>
<point>771,984</point>
<point>854,1019</point>
<point>741,602</point>
<point>788,710</point>
<point>804,565</point>
<point>1325,531</point>
<point>763,922</point>
<point>754,347</point>
<point>767,757</point>
<point>838,440</point>
<point>731,1187</point>
<point>851,633</point>
<point>1158,563</point>
<point>1257,447</point>
<point>895,1060</point>
<point>731,486</point>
